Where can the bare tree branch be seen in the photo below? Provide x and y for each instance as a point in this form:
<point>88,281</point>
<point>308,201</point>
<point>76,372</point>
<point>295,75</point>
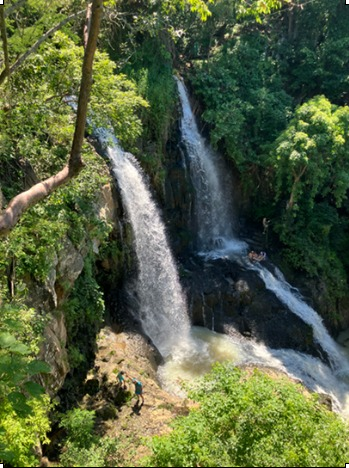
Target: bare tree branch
<point>38,43</point>
<point>23,201</point>
<point>19,204</point>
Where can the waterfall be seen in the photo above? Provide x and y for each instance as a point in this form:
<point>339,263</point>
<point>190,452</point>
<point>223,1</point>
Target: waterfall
<point>289,296</point>
<point>214,217</point>
<point>213,199</point>
<point>162,306</point>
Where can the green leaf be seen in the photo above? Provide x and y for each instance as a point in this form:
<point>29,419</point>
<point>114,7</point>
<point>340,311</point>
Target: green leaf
<point>19,404</point>
<point>19,348</point>
<point>6,455</point>
<point>38,367</point>
<point>35,390</point>
<point>7,340</point>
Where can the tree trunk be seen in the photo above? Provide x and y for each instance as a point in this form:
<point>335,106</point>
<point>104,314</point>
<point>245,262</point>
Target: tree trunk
<point>4,42</point>
<point>19,204</point>
<point>297,178</point>
<point>87,26</point>
<point>75,162</point>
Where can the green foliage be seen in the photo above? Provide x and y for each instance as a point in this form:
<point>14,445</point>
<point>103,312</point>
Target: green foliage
<point>32,247</point>
<point>83,447</point>
<point>39,124</point>
<point>27,23</point>
<point>23,406</point>
<point>201,7</point>
<point>79,424</point>
<point>84,311</point>
<point>151,68</point>
<point>244,101</point>
<point>246,419</point>
<point>312,152</point>
<point>314,55</point>
<point>258,8</point>
<point>311,169</point>
<point>101,453</point>
<point>20,434</point>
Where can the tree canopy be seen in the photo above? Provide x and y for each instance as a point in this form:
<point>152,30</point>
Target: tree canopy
<point>269,79</point>
<point>246,418</point>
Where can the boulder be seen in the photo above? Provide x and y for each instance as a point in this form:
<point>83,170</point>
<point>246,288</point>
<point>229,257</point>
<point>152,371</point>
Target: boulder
<point>224,295</point>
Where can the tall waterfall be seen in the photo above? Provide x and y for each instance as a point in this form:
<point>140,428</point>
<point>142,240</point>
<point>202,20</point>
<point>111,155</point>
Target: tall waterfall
<point>162,306</point>
<point>213,199</point>
<point>207,182</point>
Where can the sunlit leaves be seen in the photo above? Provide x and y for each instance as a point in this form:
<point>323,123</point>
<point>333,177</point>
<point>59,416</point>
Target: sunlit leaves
<point>258,8</point>
<point>23,405</point>
<point>250,419</point>
<point>201,7</point>
<point>313,151</point>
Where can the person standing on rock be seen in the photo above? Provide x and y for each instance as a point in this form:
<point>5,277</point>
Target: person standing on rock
<point>121,379</point>
<point>138,390</point>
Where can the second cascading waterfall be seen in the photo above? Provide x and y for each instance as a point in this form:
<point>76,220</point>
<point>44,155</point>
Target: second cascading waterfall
<point>213,200</point>
<point>293,300</point>
<point>162,306</point>
<point>278,285</point>
<point>215,225</point>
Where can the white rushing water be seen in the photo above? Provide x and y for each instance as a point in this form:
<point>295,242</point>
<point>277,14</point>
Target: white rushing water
<point>213,218</point>
<point>293,300</point>
<point>213,201</point>
<point>240,351</point>
<point>162,306</point>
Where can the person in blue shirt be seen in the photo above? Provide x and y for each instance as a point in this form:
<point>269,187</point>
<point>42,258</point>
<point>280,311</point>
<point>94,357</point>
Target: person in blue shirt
<point>121,380</point>
<point>138,390</point>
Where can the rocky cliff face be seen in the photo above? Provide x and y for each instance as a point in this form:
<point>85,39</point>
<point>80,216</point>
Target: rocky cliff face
<point>49,297</point>
<point>227,298</point>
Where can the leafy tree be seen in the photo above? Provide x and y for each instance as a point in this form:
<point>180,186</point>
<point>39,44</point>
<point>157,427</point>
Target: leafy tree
<point>313,151</point>
<point>246,418</point>
<point>39,191</point>
<point>83,447</point>
<point>23,405</point>
<point>79,424</point>
<point>311,168</point>
<point>311,43</point>
<point>245,104</point>
<point>26,25</point>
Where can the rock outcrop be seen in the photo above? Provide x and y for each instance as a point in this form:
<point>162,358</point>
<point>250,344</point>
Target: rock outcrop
<point>115,408</point>
<point>48,297</point>
<point>223,294</point>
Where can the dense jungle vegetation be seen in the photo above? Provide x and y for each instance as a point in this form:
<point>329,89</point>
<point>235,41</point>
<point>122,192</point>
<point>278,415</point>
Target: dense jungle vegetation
<point>271,80</point>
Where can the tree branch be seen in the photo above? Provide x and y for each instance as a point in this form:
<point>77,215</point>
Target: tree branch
<point>25,200</point>
<point>19,204</point>
<point>38,43</point>
<point>87,26</point>
<point>14,7</point>
<point>75,162</point>
<point>4,42</point>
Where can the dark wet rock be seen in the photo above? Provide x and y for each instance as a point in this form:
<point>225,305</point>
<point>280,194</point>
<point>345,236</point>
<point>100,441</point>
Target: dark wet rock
<point>221,292</point>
